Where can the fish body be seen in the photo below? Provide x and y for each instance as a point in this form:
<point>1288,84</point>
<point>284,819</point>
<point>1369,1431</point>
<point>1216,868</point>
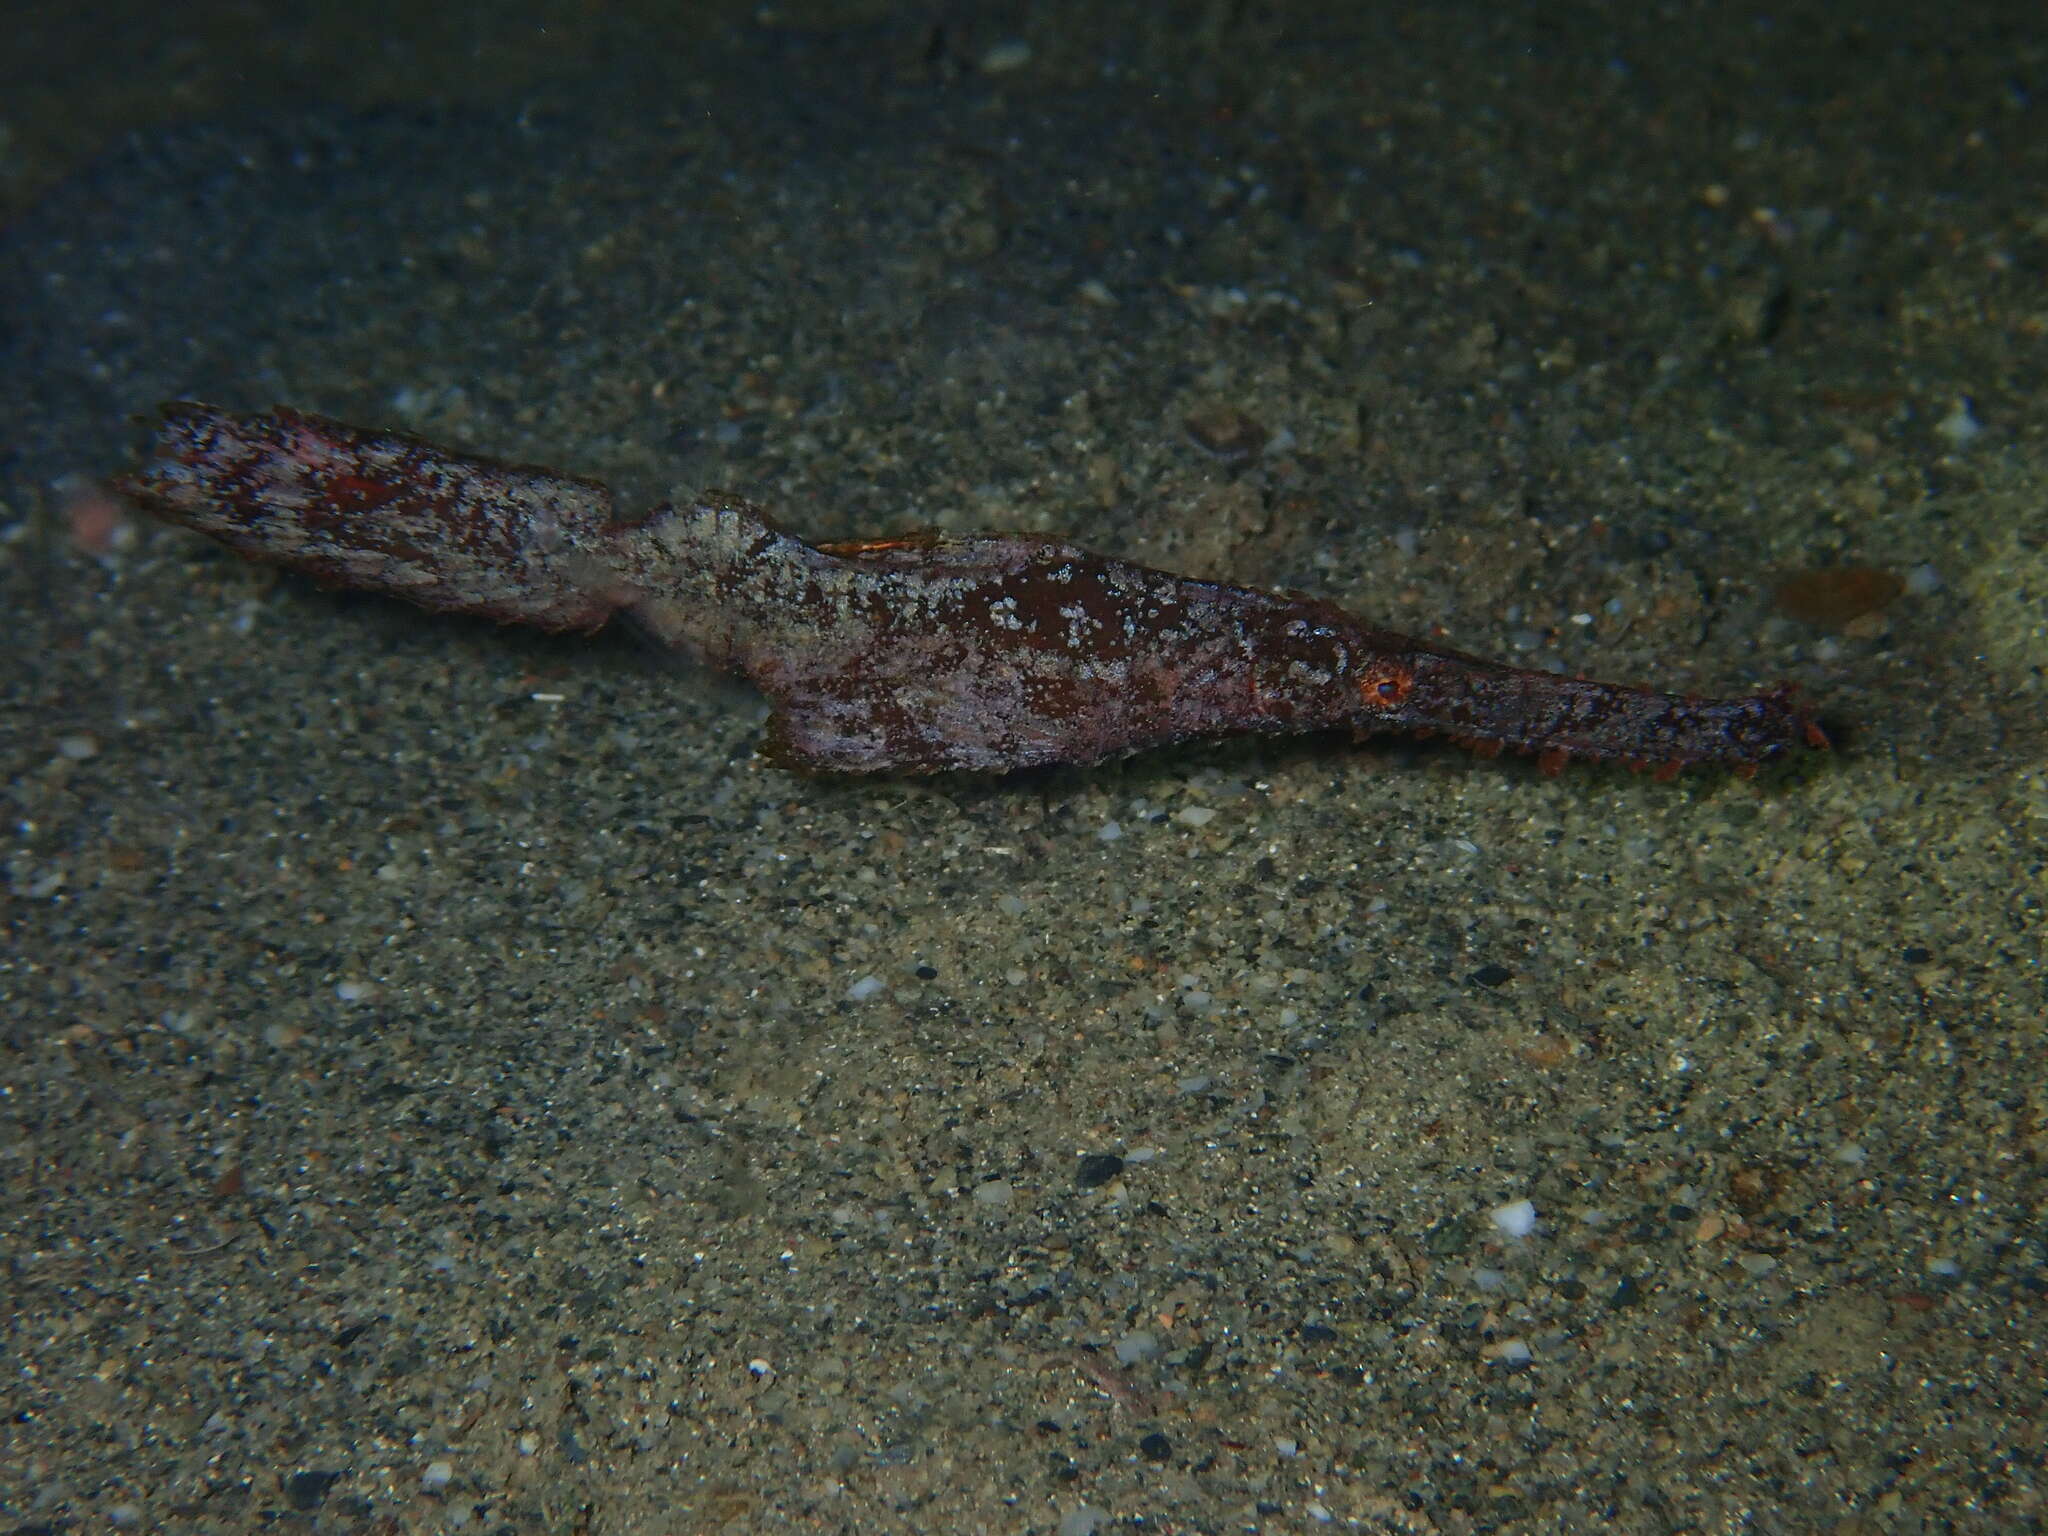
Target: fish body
<point>914,654</point>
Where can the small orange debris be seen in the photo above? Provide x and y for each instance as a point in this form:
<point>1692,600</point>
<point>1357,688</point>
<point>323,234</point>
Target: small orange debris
<point>1835,595</point>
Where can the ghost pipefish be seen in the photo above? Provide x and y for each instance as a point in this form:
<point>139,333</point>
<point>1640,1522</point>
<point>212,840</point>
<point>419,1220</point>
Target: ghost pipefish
<point>914,654</point>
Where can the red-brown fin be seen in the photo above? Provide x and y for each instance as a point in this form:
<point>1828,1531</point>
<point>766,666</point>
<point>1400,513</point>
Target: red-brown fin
<point>866,549</point>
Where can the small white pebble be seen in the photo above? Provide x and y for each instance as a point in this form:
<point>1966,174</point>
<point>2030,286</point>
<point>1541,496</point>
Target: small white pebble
<point>1947,1268</point>
<point>1756,1264</point>
<point>353,991</point>
<point>760,1370</point>
<point>1850,1152</point>
<point>1135,1346</point>
<point>1006,56</point>
<point>1960,425</point>
<point>1287,1448</point>
<point>78,748</point>
<point>1489,1279</point>
<point>439,1475</point>
<point>1923,581</point>
<point>994,1192</point>
<point>1510,1352</point>
<point>527,1444</point>
<point>1195,816</point>
<point>864,989</point>
<point>1109,832</point>
<point>1081,1521</point>
<point>1517,1218</point>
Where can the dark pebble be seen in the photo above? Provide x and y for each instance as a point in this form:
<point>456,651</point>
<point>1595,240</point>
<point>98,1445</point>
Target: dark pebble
<point>1155,1447</point>
<point>307,1491</point>
<point>1098,1168</point>
<point>1493,976</point>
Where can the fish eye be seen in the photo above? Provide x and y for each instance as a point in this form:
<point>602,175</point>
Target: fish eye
<point>1386,685</point>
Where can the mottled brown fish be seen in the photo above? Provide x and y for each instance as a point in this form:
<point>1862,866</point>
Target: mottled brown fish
<point>906,655</point>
